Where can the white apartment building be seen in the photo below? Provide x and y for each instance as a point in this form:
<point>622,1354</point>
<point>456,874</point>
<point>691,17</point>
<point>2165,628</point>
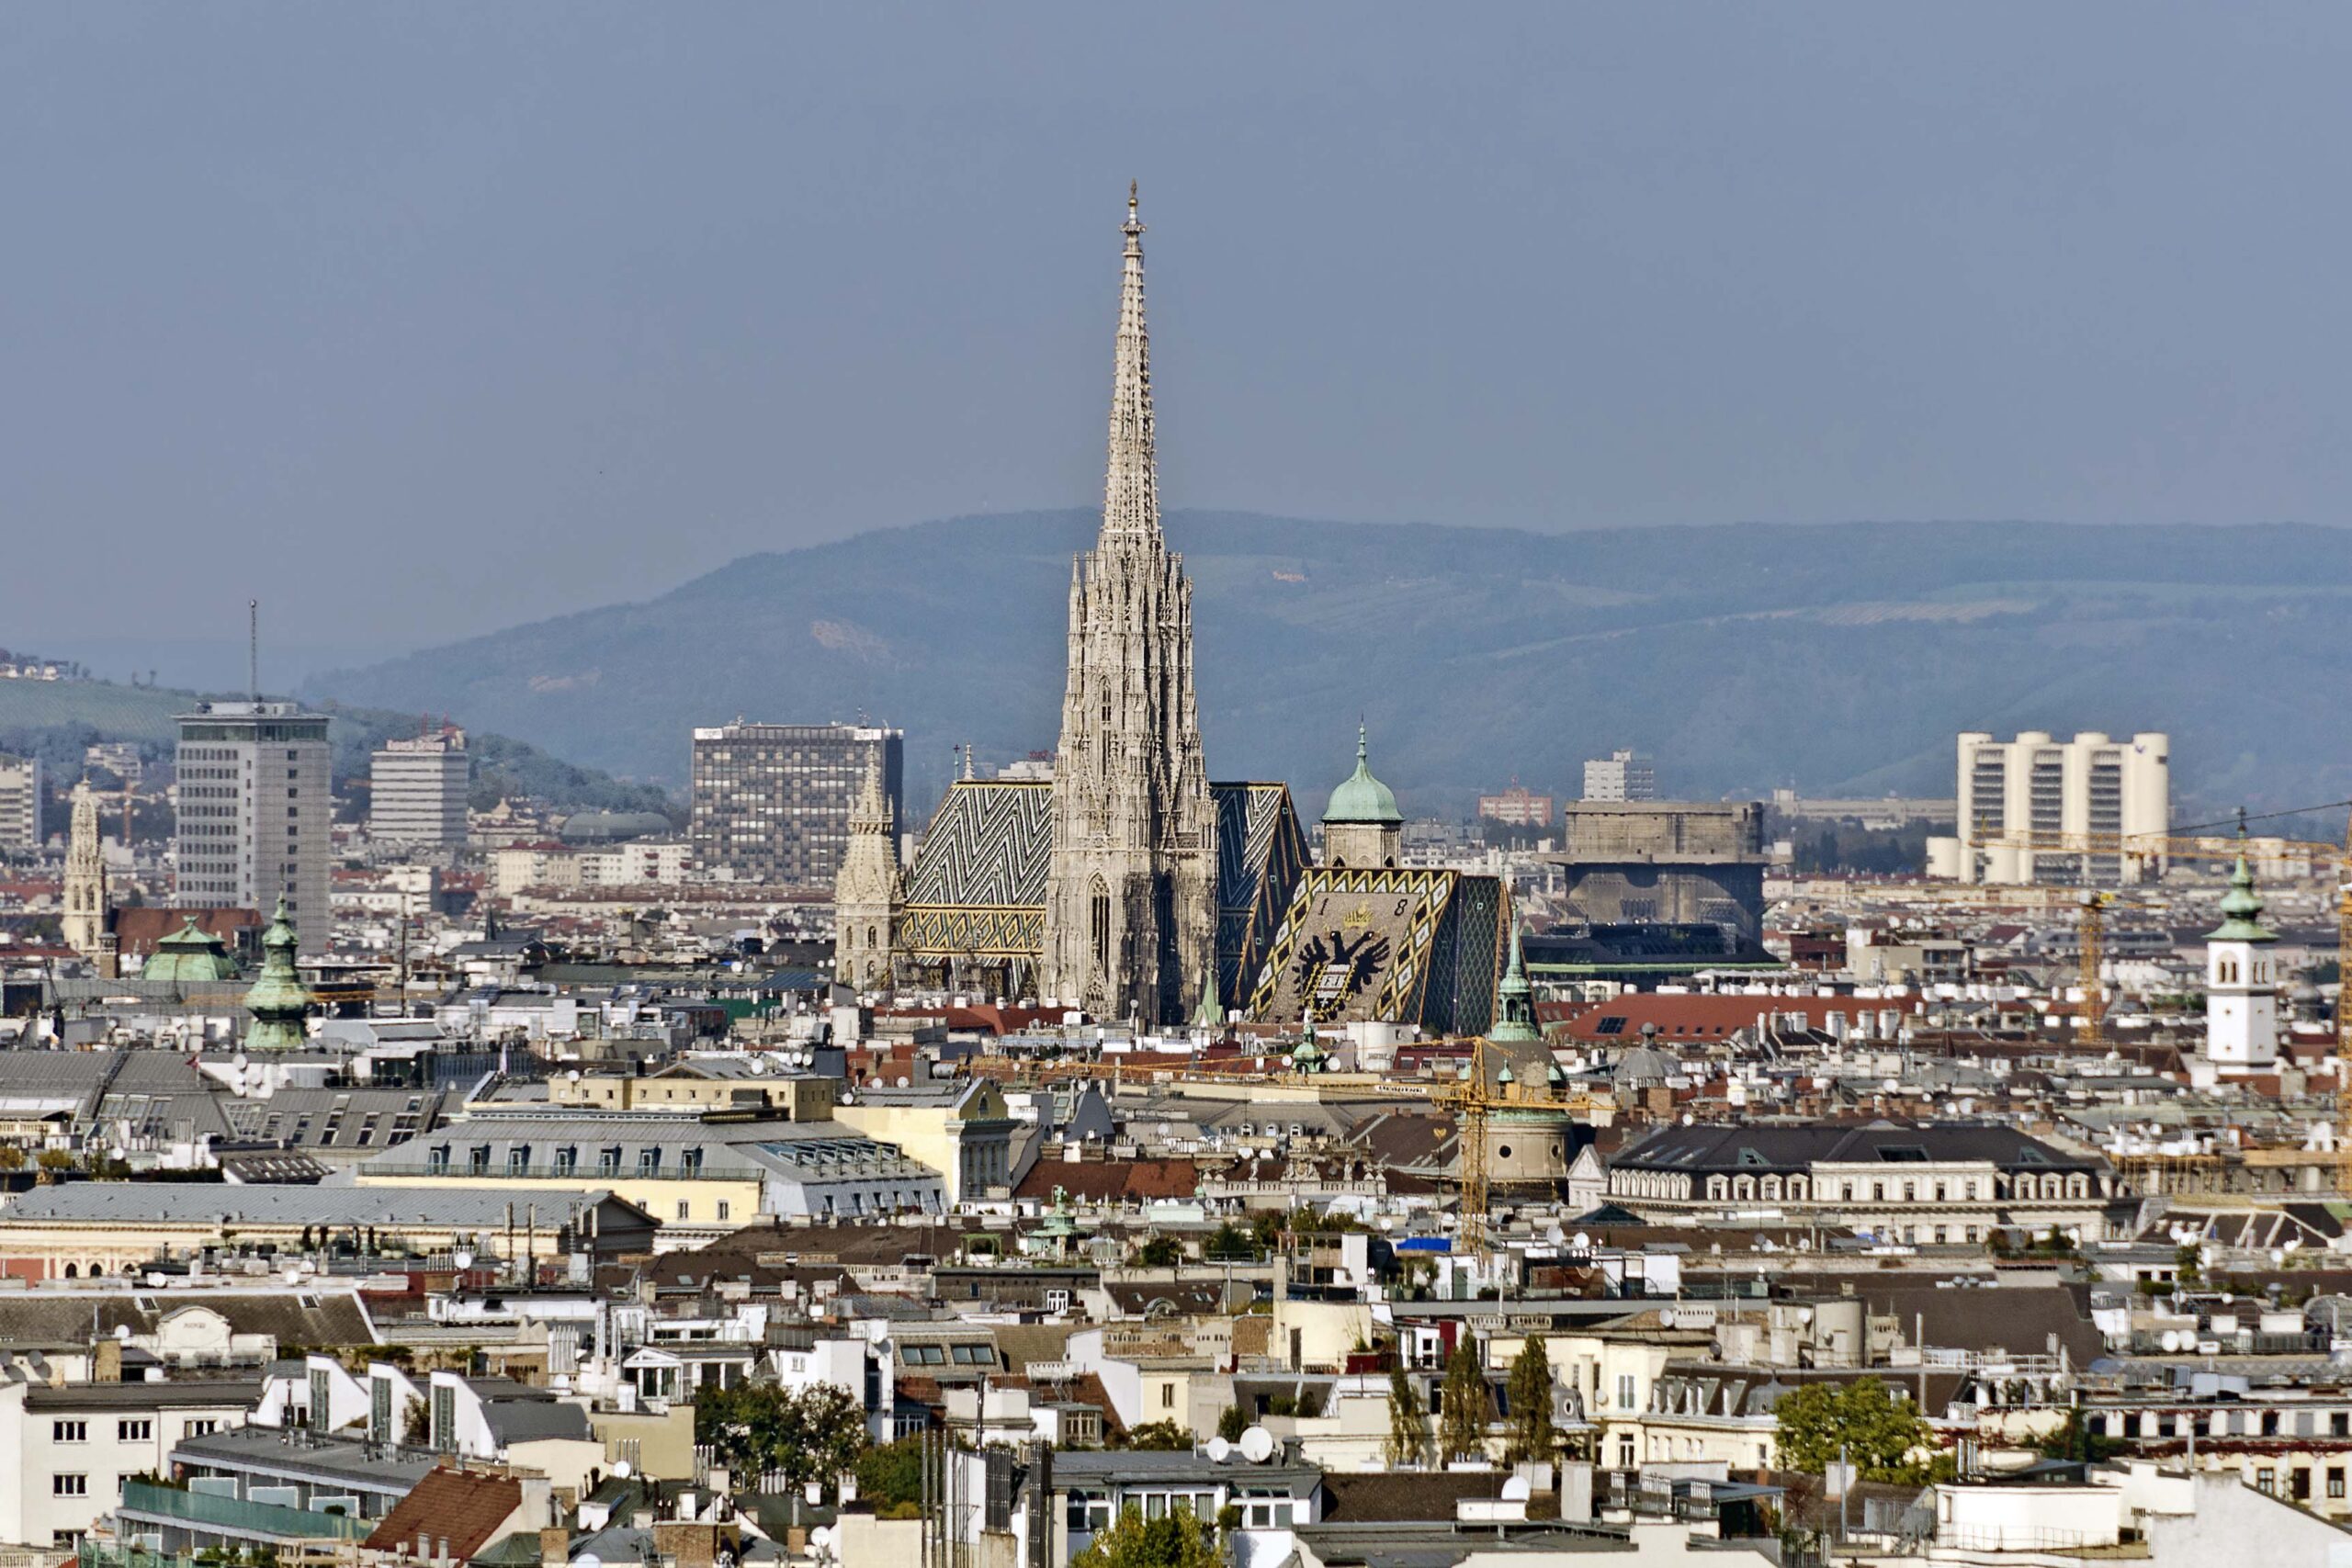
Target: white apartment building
<point>416,790</point>
<point>1621,775</point>
<point>20,803</point>
<point>70,1446</point>
<point>253,806</point>
<point>2040,787</point>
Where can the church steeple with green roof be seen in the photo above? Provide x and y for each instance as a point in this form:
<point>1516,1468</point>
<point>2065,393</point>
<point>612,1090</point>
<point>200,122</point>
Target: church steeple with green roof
<point>278,1000</point>
<point>1515,999</point>
<point>1361,826</point>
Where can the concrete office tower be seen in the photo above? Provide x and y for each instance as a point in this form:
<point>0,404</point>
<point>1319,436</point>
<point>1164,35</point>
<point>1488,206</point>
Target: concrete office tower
<point>416,790</point>
<point>2041,788</point>
<point>1621,775</point>
<point>2241,983</point>
<point>1131,888</point>
<point>84,924</point>
<point>19,804</point>
<point>255,805</point>
<point>773,802</point>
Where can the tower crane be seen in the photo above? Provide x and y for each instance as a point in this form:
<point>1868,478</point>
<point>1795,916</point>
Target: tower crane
<point>1472,1100</point>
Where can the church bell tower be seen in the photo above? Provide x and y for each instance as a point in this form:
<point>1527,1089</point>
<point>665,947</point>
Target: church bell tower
<point>1131,889</point>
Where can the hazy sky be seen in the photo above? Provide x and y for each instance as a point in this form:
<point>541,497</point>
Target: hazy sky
<point>448,317</point>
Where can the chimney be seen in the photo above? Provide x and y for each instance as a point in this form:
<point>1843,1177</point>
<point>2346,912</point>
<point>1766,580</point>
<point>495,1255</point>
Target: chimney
<point>555,1547</point>
<point>106,1360</point>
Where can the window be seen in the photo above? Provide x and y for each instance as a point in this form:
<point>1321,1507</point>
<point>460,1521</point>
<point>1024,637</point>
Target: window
<point>203,1426</point>
<point>142,1430</point>
<point>2336,1480</point>
<point>725,1209</point>
<point>68,1431</point>
<point>478,1160</point>
<point>1167,1396</point>
<point>69,1485</point>
<point>2266,1479</point>
<point>609,1162</point>
<point>1625,1391</point>
<point>519,1159</point>
<point>567,1160</point>
<point>1087,1512</point>
<point>649,1162</point>
<point>682,1208</point>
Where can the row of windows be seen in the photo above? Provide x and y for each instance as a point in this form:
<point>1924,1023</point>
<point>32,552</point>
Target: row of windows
<point>131,1429</point>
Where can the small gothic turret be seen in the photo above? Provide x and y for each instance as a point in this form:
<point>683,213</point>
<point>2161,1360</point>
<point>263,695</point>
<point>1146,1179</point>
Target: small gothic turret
<point>278,1000</point>
<point>869,896</point>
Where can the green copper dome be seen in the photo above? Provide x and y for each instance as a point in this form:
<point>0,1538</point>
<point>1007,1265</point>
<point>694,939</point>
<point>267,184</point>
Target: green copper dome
<point>2240,910</point>
<point>190,955</point>
<point>1361,798</point>
<point>278,1000</point>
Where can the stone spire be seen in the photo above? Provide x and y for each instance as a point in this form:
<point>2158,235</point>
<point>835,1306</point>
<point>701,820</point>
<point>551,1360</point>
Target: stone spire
<point>1514,999</point>
<point>85,922</point>
<point>1131,491</point>
<point>1131,887</point>
<point>278,1000</point>
<point>868,894</point>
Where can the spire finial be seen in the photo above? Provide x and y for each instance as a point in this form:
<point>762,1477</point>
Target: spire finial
<point>1363,751</point>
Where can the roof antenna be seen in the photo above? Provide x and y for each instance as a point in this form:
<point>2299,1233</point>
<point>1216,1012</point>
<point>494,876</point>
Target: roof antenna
<point>253,648</point>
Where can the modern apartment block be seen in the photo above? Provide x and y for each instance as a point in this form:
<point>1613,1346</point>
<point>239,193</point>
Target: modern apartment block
<point>2038,787</point>
<point>1621,775</point>
<point>771,802</point>
<point>19,804</point>
<point>417,787</point>
<point>254,807</point>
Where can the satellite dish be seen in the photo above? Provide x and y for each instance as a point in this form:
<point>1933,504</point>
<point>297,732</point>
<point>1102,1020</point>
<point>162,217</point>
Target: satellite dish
<point>623,1468</point>
<point>2170,1341</point>
<point>122,1332</point>
<point>1257,1445</point>
<point>1666,1317</point>
<point>1219,1450</point>
<point>1582,1241</point>
<point>1515,1490</point>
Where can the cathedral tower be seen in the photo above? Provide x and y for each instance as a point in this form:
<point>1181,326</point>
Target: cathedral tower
<point>868,894</point>
<point>1131,889</point>
<point>84,924</point>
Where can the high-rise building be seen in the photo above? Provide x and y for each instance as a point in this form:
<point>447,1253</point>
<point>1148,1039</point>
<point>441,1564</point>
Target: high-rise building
<point>1621,775</point>
<point>1518,806</point>
<point>1131,883</point>
<point>2037,788</point>
<point>416,790</point>
<point>773,802</point>
<point>254,807</point>
<point>20,803</point>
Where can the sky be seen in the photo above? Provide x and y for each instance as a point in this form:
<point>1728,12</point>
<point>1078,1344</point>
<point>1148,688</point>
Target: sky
<point>420,321</point>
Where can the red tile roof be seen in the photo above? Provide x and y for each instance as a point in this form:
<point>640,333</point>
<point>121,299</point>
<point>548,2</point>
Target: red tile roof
<point>1111,1181</point>
<point>467,1508</point>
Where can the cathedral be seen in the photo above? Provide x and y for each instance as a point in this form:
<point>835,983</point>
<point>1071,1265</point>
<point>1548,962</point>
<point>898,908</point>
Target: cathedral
<point>1129,885</point>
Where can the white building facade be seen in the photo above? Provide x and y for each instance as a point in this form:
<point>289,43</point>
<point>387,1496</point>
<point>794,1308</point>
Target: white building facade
<point>417,787</point>
<point>2040,788</point>
<point>254,807</point>
<point>1621,775</point>
<point>19,804</point>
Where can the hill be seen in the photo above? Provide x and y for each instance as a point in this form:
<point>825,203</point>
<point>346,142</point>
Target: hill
<point>1841,657</point>
<point>55,720</point>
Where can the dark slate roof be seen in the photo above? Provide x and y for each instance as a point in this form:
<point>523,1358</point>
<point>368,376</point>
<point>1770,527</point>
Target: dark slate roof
<point>532,1420</point>
<point>1386,1497</point>
<point>1732,1149</point>
<point>291,1317</point>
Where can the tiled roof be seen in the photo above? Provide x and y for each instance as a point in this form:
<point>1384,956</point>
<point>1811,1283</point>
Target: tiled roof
<point>466,1508</point>
<point>1111,1181</point>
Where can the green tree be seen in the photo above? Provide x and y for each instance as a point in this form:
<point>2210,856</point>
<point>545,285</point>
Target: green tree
<point>1160,1436</point>
<point>1175,1541</point>
<point>1409,1422</point>
<point>11,1157</point>
<point>891,1477</point>
<point>1232,1422</point>
<point>1230,1243</point>
<point>1466,1406</point>
<point>1159,1252</point>
<point>1881,1434</point>
<point>1530,1388</point>
<point>811,1435</point>
<point>2076,1440</point>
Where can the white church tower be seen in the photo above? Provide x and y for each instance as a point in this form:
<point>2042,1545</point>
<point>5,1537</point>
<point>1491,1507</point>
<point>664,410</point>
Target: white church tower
<point>2241,983</point>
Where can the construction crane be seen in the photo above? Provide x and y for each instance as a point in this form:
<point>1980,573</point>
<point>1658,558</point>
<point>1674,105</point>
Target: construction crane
<point>1471,1098</point>
<point>2089,938</point>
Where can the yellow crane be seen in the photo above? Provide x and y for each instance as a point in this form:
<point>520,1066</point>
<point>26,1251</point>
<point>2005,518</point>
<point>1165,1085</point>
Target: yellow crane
<point>1471,1099</point>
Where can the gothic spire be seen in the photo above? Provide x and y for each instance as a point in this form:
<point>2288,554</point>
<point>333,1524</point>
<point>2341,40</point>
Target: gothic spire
<point>1131,491</point>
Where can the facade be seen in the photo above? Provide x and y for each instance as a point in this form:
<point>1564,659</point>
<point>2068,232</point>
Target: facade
<point>1621,775</point>
<point>85,920</point>
<point>962,1130</point>
<point>72,1446</point>
<point>1667,862</point>
<point>19,804</point>
<point>416,790</point>
<point>1518,806</point>
<point>2036,786</point>
<point>773,802</point>
<point>1131,899</point>
<point>1934,1184</point>
<point>869,896</point>
<point>253,808</point>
